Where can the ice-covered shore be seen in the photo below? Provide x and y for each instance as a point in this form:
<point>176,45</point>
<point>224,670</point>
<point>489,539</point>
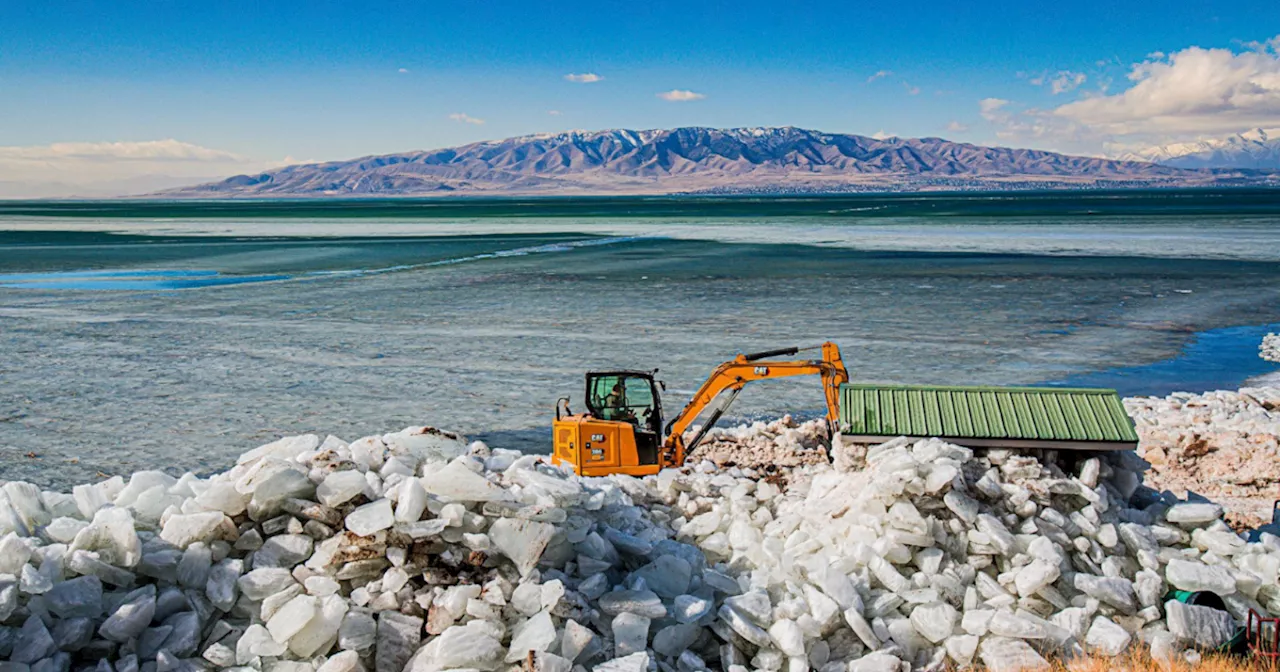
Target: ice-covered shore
<point>1224,445</point>
<point>414,551</point>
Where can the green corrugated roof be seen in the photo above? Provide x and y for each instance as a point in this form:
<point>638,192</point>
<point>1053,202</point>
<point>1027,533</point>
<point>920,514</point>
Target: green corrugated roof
<point>1030,413</point>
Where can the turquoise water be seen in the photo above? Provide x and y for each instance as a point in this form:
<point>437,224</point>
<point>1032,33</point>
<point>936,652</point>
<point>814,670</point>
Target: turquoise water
<point>181,334</point>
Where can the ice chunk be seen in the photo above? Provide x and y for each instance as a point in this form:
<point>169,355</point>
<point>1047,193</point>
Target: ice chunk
<point>223,496</point>
<point>1001,654</point>
<point>33,642</point>
<point>321,630</point>
<point>523,541</point>
<point>84,562</point>
<point>358,632</point>
<point>78,597</point>
<point>64,530</point>
<point>964,507</point>
<point>221,587</point>
<point>131,617</point>
<point>459,647</point>
<point>346,661</point>
<point>667,575</point>
<point>370,518</point>
<point>691,608</point>
<point>412,501</point>
<point>1106,637</point>
<point>675,639</point>
<point>743,626</point>
<point>398,637</point>
<point>575,640</point>
<point>636,662</point>
<point>640,602</point>
<point>112,536</point>
<point>341,487</point>
<point>424,443</point>
<point>630,633</point>
<point>1117,592</point>
<point>535,634</point>
<point>292,617</point>
<point>193,569</point>
<point>1192,514</point>
<point>90,498</point>
<point>999,535</point>
<point>786,635</point>
<point>73,634</point>
<point>1036,576</point>
<point>269,496</point>
<point>184,530</point>
<point>754,605</point>
<point>285,448</point>
<point>877,661</point>
<point>423,529</point>
<point>33,582</point>
<point>459,483</point>
<point>184,638</point>
<point>283,550</point>
<point>257,642</point>
<point>1203,626</point>
<point>1196,576</point>
<point>861,628</point>
<point>260,584</point>
<point>961,649</point>
<point>26,506</point>
<point>527,598</point>
<point>934,621</point>
<point>1005,624</point>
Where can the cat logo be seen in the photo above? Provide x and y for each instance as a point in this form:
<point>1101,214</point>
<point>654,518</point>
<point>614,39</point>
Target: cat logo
<point>762,371</point>
<point>597,437</point>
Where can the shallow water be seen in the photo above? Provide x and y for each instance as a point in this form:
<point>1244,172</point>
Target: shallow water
<point>175,342</point>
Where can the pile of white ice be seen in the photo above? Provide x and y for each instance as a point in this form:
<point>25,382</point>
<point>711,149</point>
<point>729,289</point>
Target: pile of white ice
<point>1270,348</point>
<point>413,551</point>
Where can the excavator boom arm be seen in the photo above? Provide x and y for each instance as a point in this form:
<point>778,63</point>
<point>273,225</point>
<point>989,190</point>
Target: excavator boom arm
<point>734,375</point>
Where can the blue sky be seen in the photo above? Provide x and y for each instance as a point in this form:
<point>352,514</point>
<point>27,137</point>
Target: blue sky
<point>326,80</point>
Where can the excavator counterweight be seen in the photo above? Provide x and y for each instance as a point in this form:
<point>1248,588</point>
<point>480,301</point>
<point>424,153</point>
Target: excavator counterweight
<point>621,430</point>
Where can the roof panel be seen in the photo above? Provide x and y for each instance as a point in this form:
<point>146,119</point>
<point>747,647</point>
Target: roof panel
<point>1021,413</point>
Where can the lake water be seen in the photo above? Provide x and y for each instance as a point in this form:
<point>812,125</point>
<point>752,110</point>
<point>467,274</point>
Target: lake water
<point>178,335</point>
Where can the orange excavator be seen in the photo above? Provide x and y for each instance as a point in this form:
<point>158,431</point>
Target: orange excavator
<point>621,431</point>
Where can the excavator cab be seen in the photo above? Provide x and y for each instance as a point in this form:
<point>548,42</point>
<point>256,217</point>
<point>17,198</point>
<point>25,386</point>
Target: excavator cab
<point>621,432</point>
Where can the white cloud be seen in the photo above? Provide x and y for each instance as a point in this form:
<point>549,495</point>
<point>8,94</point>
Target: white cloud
<point>991,108</point>
<point>1062,81</point>
<point>1066,81</point>
<point>882,135</point>
<point>403,71</point>
<point>1193,91</point>
<point>680,95</point>
<point>150,150</point>
<point>957,127</point>
<point>879,75</point>
<point>584,78</point>
<point>911,90</point>
<point>116,168</point>
<point>465,118</point>
<point>554,113</point>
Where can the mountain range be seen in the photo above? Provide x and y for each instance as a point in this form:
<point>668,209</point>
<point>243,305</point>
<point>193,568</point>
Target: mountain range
<point>1251,150</point>
<point>695,160</point>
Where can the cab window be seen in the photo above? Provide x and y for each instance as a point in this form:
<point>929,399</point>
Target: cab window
<point>621,397</point>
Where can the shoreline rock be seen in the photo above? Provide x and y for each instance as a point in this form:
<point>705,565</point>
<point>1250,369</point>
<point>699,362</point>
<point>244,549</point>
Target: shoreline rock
<point>1222,445</point>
